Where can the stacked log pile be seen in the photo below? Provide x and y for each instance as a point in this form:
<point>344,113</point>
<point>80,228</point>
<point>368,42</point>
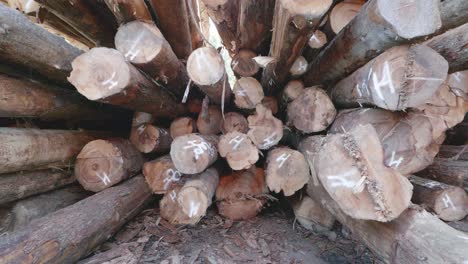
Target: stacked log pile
<point>342,107</point>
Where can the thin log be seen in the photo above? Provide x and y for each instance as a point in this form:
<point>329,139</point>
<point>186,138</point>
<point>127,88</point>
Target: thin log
<point>161,175</point>
<point>239,195</point>
<point>238,150</point>
<point>265,130</point>
<point>293,23</point>
<point>248,93</point>
<point>286,170</point>
<point>316,42</point>
<point>311,214</point>
<point>103,74</point>
<point>254,24</point>
<point>209,120</point>
<point>458,84</point>
<point>453,152</point>
<point>364,39</point>
<point>194,153</point>
<point>312,111</point>
<point>33,47</point>
<point>450,203</point>
<point>182,126</point>
<point>27,149</point>
<point>19,185</point>
<point>452,14</point>
<point>299,67</point>
<point>343,13</point>
<point>128,10</point>
<point>234,121</point>
<point>194,24</point>
<point>104,163</point>
<point>173,20</point>
<point>448,171</point>
<point>75,231</point>
<point>25,6</point>
<point>151,139</point>
<point>171,210</point>
<point>224,15</point>
<point>145,47</point>
<point>401,77</point>
<point>211,82</point>
<point>452,46</point>
<point>243,64</point>
<point>81,15</point>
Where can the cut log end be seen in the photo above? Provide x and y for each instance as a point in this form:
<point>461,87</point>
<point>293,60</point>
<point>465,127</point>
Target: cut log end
<point>343,13</point>
<point>248,93</point>
<point>265,130</point>
<point>234,121</point>
<point>148,138</point>
<point>193,153</point>
<point>299,67</point>
<point>238,150</point>
<point>205,66</point>
<point>305,7</point>
<point>161,174</point>
<point>182,126</point>
<point>317,40</point>
<point>243,63</point>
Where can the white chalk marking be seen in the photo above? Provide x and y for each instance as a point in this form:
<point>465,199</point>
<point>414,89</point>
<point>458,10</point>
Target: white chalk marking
<point>385,81</point>
<point>110,82</point>
<point>194,206</point>
<point>174,176</point>
<point>198,147</point>
<point>140,129</point>
<point>241,92</point>
<point>341,180</point>
<point>448,202</point>
<point>395,162</point>
<point>237,141</point>
<point>132,53</point>
<point>173,195</point>
<point>424,78</point>
<point>104,177</point>
<point>267,142</point>
<point>302,66</point>
<point>282,159</point>
<point>431,184</point>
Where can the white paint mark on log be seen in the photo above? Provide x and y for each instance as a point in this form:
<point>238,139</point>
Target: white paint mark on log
<point>268,142</point>
<point>448,202</point>
<point>173,195</point>
<point>110,82</point>
<point>194,206</point>
<point>132,53</point>
<point>395,162</point>
<point>199,147</point>
<point>241,92</point>
<point>173,176</point>
<point>282,159</point>
<point>140,129</point>
<point>236,141</point>
<point>104,177</point>
<point>342,180</point>
<point>385,81</point>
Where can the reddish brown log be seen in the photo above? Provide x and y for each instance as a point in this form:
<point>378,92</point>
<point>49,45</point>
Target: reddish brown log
<point>234,121</point>
<point>104,163</point>
<point>315,44</point>
<point>75,231</point>
<point>450,203</point>
<point>239,195</point>
<point>453,152</point>
<point>243,64</point>
<point>194,153</point>
<point>144,46</point>
<point>286,170</point>
<point>311,214</point>
<point>343,13</point>
<point>248,93</point>
<point>151,139</point>
<point>265,130</point>
<point>270,102</point>
<point>162,175</point>
<point>103,74</point>
<point>209,120</point>
<point>182,126</point>
<point>299,67</point>
<point>238,150</point>
<point>128,10</point>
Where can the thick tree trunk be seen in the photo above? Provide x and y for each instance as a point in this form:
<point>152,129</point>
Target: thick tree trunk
<point>104,163</point>
<point>27,149</point>
<point>448,171</point>
<point>173,20</point>
<point>145,47</point>
<point>453,14</point>
<point>162,175</point>
<point>26,44</point>
<point>450,203</point>
<point>82,17</point>
<point>265,130</point>
<point>238,150</point>
<point>213,82</point>
<point>151,139</point>
<point>182,126</point>
<point>401,77</point>
<point>234,121</point>
<point>24,98</point>
<point>194,153</point>
<point>243,64</point>
<point>293,25</point>
<point>379,25</point>
<point>75,231</point>
<point>286,170</point>
<point>453,152</point>
<point>311,111</point>
<point>128,10</point>
<point>452,46</point>
<point>240,195</point>
<point>316,42</point>
<point>103,74</point>
<point>248,92</point>
<point>19,185</point>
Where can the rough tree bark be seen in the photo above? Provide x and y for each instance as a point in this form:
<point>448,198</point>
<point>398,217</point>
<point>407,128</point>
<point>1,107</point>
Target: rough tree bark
<point>448,171</point>
<point>151,139</point>
<point>243,64</point>
<point>453,14</point>
<point>209,120</point>
<point>128,10</point>
<point>453,152</point>
<point>343,13</point>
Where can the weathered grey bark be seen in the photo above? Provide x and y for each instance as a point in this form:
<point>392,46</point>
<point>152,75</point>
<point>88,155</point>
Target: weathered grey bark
<point>128,10</point>
<point>448,171</point>
<point>453,152</point>
<point>26,44</point>
<point>75,231</point>
<point>453,14</point>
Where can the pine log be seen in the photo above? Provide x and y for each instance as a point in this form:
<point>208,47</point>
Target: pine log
<point>248,93</point>
<point>103,74</point>
<point>25,211</point>
<point>378,26</point>
<point>182,126</point>
<point>453,152</point>
<point>212,82</point>
<point>234,121</point>
<point>402,77</point>
<point>243,64</point>
<point>448,171</point>
<point>415,237</point>
<point>293,23</point>
<point>145,47</point>
<point>161,174</point>
<point>453,14</point>
<point>286,170</point>
<point>33,47</point>
<point>450,203</point>
<point>452,46</point>
<point>75,231</point>
<point>171,210</point>
<point>311,111</point>
<point>81,15</point>
<point>315,44</point>
<point>196,194</point>
<point>271,103</point>
<point>239,195</point>
<point>311,214</point>
<point>173,20</point>
<point>19,185</point>
<point>299,67</point>
<point>350,167</point>
<point>104,163</point>
<point>238,150</point>
<point>27,149</point>
<point>151,139</point>
<point>209,120</point>
<point>24,98</point>
<point>265,130</point>
<point>343,13</point>
<point>193,153</point>
<point>128,10</point>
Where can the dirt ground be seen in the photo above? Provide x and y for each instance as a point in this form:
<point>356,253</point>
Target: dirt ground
<point>271,237</point>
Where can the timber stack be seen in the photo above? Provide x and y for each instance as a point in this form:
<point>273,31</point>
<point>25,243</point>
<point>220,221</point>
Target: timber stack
<point>353,110</point>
